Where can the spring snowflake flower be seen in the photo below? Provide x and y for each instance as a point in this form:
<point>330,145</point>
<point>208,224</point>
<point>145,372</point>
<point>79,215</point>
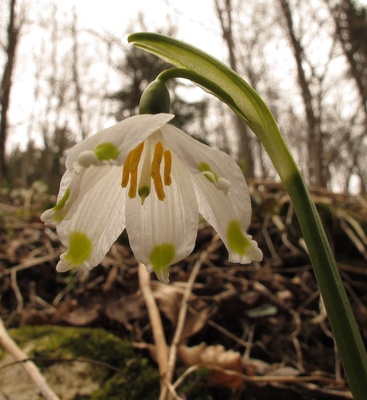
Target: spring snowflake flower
<point>154,180</point>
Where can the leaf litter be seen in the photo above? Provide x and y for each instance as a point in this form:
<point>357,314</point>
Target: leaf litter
<point>255,330</point>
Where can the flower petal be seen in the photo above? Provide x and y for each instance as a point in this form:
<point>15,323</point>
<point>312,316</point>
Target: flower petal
<point>195,154</point>
<point>229,214</point>
<point>101,147</point>
<point>162,232</point>
<point>222,193</point>
<point>98,218</point>
<point>72,188</point>
<point>65,197</point>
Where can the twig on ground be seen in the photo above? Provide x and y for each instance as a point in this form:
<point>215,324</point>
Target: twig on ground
<point>181,321</point>
<point>33,262</point>
<point>274,379</point>
<point>182,315</point>
<point>155,320</point>
<point>17,292</point>
<point>11,347</point>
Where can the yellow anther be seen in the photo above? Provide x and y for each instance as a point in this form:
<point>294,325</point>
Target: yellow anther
<point>136,154</point>
<point>133,183</point>
<point>130,169</point>
<point>158,185</point>
<point>167,167</point>
<point>148,171</point>
<point>156,170</point>
<point>126,171</point>
<point>157,159</point>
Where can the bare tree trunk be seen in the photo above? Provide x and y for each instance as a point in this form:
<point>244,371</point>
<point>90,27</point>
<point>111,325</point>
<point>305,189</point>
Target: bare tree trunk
<point>351,30</point>
<point>245,151</point>
<point>317,171</point>
<point>76,77</point>
<point>56,99</point>
<point>46,126</point>
<point>6,82</point>
<point>342,14</point>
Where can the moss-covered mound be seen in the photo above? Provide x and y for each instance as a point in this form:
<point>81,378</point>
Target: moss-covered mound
<point>80,363</point>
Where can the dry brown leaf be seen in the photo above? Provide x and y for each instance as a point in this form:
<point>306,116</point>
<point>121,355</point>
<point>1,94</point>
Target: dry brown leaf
<point>213,357</point>
<point>126,309</point>
<point>64,309</point>
<point>255,367</point>
<point>169,299</point>
<point>31,316</point>
<point>82,316</point>
<point>148,346</point>
<point>285,371</point>
<point>17,248</point>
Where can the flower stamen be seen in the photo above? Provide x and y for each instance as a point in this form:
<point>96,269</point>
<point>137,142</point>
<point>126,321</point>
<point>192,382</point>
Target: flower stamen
<point>167,167</point>
<point>126,172</point>
<point>133,183</point>
<point>130,170</point>
<point>136,156</point>
<point>157,159</point>
<point>156,171</point>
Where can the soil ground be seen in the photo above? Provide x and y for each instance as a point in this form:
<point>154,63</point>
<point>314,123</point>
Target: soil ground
<point>266,319</point>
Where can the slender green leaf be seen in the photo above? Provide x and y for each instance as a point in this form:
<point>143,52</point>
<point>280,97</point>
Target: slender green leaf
<point>248,105</point>
<point>246,102</point>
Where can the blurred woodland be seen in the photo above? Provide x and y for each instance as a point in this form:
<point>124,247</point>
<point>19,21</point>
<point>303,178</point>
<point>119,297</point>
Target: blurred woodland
<point>249,332</point>
<point>307,59</point>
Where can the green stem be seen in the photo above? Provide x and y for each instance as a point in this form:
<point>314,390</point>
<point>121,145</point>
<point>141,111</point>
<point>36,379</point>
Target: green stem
<point>211,74</point>
<point>343,324</point>
<point>206,84</point>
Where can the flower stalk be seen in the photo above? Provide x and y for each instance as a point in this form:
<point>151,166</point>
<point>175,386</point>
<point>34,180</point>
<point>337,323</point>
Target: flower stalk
<point>218,79</point>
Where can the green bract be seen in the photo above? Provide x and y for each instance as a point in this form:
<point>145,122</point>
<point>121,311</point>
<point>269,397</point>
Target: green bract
<point>155,99</point>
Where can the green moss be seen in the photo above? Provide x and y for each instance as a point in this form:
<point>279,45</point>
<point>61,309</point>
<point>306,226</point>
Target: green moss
<point>136,378</point>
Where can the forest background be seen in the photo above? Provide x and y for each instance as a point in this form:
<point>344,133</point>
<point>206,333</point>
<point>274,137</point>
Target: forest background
<point>67,71</point>
<point>64,77</point>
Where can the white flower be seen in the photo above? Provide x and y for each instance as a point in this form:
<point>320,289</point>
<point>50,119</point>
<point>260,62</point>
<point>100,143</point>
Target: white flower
<point>152,179</point>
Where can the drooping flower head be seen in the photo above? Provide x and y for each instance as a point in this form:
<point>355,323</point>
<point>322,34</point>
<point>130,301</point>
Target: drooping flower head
<point>152,179</point>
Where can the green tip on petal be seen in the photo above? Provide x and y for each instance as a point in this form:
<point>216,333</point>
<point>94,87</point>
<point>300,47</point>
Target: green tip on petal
<point>208,172</point>
<point>57,213</point>
<point>237,242</point>
<point>61,204</point>
<point>106,151</point>
<point>161,258</point>
<point>80,248</point>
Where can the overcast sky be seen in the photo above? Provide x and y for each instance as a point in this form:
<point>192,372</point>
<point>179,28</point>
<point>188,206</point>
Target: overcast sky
<point>195,21</point>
